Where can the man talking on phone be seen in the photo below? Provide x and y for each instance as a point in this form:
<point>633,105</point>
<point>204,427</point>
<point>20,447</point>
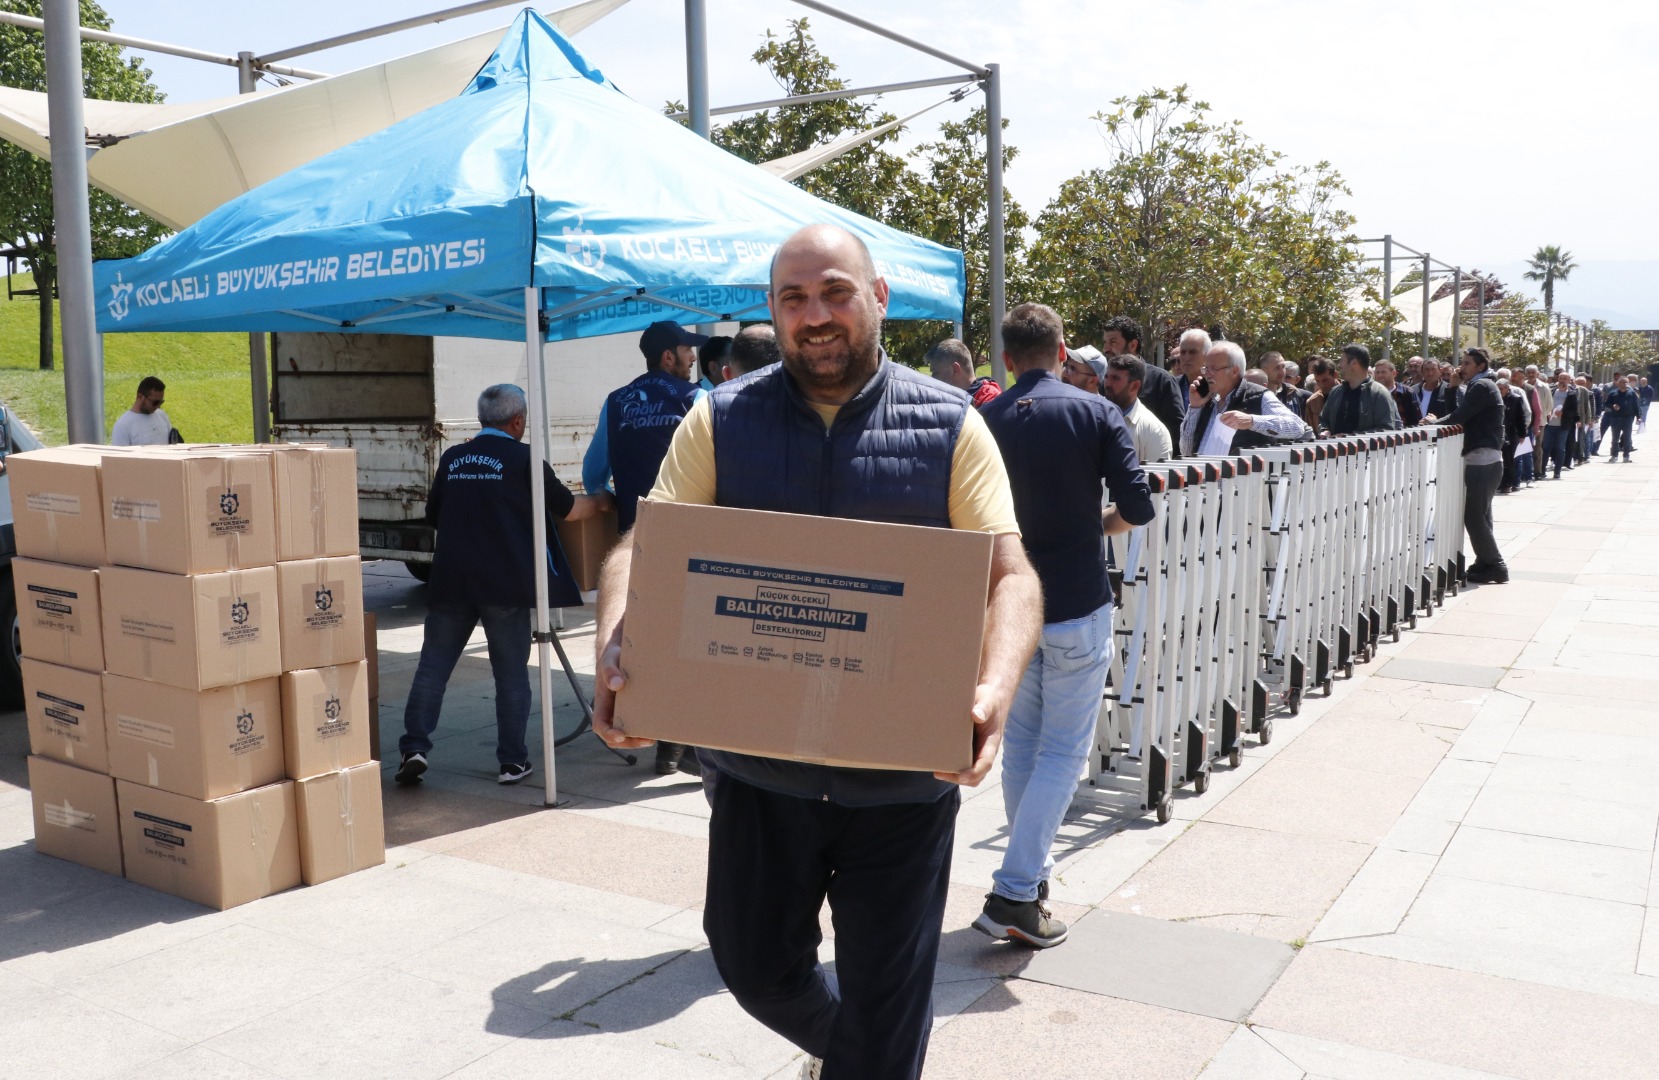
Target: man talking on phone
<point>1226,414</point>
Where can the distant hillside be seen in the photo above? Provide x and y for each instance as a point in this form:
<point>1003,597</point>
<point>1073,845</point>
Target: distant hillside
<point>208,393</point>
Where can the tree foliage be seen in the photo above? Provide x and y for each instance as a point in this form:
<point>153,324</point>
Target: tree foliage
<point>26,215</point>
<point>1549,265</point>
<point>1195,224</point>
<point>1519,333</point>
<point>1619,351</point>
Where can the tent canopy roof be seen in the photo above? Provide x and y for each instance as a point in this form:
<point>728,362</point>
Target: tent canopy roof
<point>541,174</point>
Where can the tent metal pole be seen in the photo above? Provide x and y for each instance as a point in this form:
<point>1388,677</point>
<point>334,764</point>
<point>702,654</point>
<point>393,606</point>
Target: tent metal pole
<point>834,95</point>
<point>1457,313</point>
<point>145,45</point>
<point>382,30</point>
<point>259,370</point>
<point>864,24</point>
<point>536,395</point>
<point>83,373</point>
<point>995,226</point>
<point>697,66</point>
<point>1388,293</point>
<point>1426,295</point>
<point>1480,316</point>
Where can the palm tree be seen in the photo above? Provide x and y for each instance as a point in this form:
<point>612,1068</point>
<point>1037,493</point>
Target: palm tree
<point>1549,265</point>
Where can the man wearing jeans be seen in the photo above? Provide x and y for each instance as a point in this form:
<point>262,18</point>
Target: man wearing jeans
<point>1058,444</point>
<point>1482,417</point>
<point>1563,419</point>
<point>484,571</point>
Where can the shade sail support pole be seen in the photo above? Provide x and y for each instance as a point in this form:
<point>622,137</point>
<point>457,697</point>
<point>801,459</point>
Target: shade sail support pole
<point>536,434</point>
<point>83,371</point>
<point>996,269</point>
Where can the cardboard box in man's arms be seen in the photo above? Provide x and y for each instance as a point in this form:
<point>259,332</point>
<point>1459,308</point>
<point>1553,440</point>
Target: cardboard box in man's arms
<point>815,639</point>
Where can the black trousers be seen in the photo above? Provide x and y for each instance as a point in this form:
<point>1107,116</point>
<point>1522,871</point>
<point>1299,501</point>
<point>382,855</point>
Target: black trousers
<point>1507,482</point>
<point>773,860</point>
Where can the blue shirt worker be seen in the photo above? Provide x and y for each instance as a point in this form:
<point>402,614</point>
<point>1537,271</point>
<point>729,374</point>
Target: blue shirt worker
<point>891,445</point>
<point>1058,443</point>
<point>484,571</point>
<point>637,421</point>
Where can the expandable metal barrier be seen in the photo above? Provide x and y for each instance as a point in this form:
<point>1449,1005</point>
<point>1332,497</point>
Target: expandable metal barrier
<point>1261,576</point>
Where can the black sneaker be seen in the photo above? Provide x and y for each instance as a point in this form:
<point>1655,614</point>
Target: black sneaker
<point>1493,576</point>
<point>411,768</point>
<point>512,774</point>
<point>668,757</point>
<point>1027,922</point>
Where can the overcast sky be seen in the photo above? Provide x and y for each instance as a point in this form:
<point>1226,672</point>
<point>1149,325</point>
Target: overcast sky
<point>1476,131</point>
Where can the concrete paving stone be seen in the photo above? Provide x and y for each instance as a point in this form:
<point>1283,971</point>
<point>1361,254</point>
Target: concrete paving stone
<point>1573,684</point>
<point>434,1030</point>
<point>1647,960</point>
<point>1419,833</point>
<point>1438,1014</point>
<point>1489,733</point>
<point>1249,881</point>
<point>1548,865</point>
<point>1341,1061</point>
<point>1526,599</point>
<point>1171,965</point>
<point>1460,622</point>
<point>436,818</point>
<point>658,816</point>
<point>566,1050</point>
<point>1451,789</point>
<point>1378,898</point>
<point>1433,714</point>
<point>1029,1029</point>
<point>1385,746</point>
<point>1511,923</point>
<point>17,818</point>
<point>584,851</point>
<point>533,890</point>
<point>207,985</point>
<point>548,962</point>
<point>1479,651</point>
<point>1542,742</point>
<point>1247,1056</point>
<point>1087,877</point>
<point>63,941</point>
<point>50,1033</point>
<point>1316,800</point>
<point>1565,816</point>
<point>197,1063</point>
<point>35,882</point>
<point>686,925</point>
<point>375,915</point>
<point>1559,712</point>
<point>1368,704</point>
<point>1620,782</point>
<point>1454,674</point>
<point>684,1004</point>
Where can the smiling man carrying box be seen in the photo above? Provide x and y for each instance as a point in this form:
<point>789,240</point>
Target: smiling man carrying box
<point>838,431</point>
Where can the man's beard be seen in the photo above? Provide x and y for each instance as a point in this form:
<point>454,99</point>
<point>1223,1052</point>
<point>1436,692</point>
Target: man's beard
<point>845,368</point>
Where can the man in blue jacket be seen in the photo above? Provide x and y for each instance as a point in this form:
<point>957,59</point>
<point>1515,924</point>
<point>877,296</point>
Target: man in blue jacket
<point>1058,443</point>
<point>484,571</point>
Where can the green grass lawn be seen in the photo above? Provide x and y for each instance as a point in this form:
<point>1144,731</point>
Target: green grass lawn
<point>208,394</point>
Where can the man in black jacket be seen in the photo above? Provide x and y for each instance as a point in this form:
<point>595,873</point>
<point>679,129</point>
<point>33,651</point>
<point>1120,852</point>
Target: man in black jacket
<point>1058,443</point>
<point>1159,392</point>
<point>1434,396</point>
<point>1562,406</point>
<point>1404,400</point>
<point>1482,417</point>
<point>1358,404</point>
<point>484,570</point>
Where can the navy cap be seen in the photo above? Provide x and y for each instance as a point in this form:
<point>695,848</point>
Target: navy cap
<point>659,337</point>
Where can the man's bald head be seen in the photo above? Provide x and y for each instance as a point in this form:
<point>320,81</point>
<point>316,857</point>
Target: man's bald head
<point>826,239</point>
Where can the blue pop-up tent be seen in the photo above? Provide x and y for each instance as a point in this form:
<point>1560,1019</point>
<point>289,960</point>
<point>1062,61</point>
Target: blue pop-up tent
<point>540,204</point>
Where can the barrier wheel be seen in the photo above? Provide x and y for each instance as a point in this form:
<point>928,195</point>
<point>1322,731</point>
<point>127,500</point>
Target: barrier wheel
<point>1201,782</point>
<point>1265,735</point>
<point>1293,702</point>
<point>1234,757</point>
<point>1348,670</point>
<point>1397,632</point>
<point>1413,622</point>
<point>1329,686</point>
<point>1166,809</point>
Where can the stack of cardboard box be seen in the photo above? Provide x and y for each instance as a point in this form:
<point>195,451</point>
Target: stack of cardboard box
<point>196,582</point>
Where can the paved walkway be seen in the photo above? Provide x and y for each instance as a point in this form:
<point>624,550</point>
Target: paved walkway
<point>1445,870</point>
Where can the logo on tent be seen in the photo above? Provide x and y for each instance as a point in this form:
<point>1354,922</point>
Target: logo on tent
<point>118,299</point>
<point>583,244</point>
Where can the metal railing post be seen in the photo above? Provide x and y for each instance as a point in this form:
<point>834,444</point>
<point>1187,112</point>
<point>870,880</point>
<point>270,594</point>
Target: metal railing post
<point>1427,292</point>
<point>996,264</point>
<point>1388,294</point>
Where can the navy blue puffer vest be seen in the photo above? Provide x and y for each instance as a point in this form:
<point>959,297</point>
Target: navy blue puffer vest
<point>887,457</point>
<point>640,421</point>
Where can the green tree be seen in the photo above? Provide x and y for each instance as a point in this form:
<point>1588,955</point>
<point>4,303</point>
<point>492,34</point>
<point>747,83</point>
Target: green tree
<point>1519,333</point>
<point>26,216</point>
<point>1614,351</point>
<point>1549,265</point>
<point>1195,224</point>
<point>945,197</point>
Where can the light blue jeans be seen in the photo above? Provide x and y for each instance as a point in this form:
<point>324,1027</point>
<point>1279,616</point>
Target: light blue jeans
<point>1049,736</point>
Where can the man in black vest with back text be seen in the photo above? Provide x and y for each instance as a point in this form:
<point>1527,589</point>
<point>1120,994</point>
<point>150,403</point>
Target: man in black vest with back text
<point>1226,414</point>
<point>484,571</point>
<point>636,424</point>
<point>889,444</point>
